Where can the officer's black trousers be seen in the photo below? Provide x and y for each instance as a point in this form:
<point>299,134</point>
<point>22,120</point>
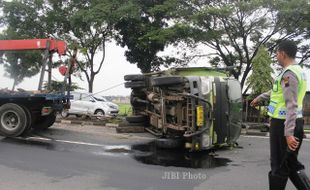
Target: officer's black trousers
<point>282,162</point>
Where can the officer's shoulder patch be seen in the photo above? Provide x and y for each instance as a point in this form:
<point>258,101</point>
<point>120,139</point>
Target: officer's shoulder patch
<point>286,81</point>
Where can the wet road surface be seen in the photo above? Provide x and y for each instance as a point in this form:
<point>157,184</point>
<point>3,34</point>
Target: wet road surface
<point>132,162</point>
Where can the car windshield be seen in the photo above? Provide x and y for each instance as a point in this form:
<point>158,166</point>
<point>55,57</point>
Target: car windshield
<point>101,99</point>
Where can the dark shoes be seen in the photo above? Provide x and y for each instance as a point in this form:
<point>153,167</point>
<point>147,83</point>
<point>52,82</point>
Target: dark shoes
<point>300,180</point>
<point>277,182</point>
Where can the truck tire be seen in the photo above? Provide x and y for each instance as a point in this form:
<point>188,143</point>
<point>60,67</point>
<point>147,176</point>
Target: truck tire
<point>128,124</point>
<point>221,109</point>
<point>169,143</point>
<point>135,84</point>
<point>29,121</point>
<point>136,119</point>
<point>134,77</point>
<point>167,80</point>
<point>44,122</point>
<point>13,120</point>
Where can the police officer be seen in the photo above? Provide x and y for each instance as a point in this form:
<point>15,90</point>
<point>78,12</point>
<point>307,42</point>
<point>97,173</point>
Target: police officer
<point>286,124</point>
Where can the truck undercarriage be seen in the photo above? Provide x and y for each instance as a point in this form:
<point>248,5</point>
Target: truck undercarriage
<point>200,109</point>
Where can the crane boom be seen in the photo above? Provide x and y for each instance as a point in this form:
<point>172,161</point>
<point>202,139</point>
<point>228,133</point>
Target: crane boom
<point>51,45</point>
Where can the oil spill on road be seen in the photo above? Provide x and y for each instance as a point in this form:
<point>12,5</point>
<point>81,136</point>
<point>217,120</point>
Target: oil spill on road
<point>146,153</point>
<point>149,154</point>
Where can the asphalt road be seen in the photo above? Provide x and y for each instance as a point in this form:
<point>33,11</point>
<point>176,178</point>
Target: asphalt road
<point>91,158</point>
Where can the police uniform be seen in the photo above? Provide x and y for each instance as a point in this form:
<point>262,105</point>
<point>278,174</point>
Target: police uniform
<point>285,110</point>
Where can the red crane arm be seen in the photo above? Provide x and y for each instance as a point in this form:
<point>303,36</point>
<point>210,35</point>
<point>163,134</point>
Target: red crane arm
<point>58,46</point>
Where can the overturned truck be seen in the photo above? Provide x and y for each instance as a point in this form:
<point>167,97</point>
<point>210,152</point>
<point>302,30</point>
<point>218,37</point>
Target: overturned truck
<point>198,108</point>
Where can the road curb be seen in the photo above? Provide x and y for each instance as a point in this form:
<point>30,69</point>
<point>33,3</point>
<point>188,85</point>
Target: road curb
<point>79,122</point>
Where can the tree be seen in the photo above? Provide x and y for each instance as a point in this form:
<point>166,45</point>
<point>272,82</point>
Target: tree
<point>57,86</point>
<point>20,64</point>
<point>86,24</point>
<point>235,30</point>
<point>261,80</point>
<point>142,32</point>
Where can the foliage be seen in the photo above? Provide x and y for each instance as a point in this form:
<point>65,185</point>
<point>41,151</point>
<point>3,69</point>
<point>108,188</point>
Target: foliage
<point>19,65</point>
<point>231,31</point>
<point>142,33</point>
<point>57,86</point>
<point>86,24</point>
<point>235,30</point>
<point>261,80</point>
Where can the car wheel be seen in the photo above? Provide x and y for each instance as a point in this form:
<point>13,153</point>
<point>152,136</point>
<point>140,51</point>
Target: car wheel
<point>136,119</point>
<point>169,143</point>
<point>134,77</point>
<point>13,120</point>
<point>99,112</point>
<point>168,80</point>
<point>64,113</point>
<point>44,122</point>
<point>135,84</point>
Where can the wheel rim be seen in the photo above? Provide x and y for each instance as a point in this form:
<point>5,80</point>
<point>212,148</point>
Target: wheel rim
<point>64,113</point>
<point>99,113</point>
<point>10,120</point>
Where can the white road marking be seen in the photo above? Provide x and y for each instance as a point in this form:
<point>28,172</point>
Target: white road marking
<point>109,147</point>
<point>80,143</point>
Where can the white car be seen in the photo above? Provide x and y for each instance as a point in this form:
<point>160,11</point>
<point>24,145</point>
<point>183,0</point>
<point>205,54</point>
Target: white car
<point>83,103</point>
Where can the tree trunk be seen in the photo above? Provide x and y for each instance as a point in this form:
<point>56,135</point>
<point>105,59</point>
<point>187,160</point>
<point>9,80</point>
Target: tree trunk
<point>91,83</point>
<point>14,85</point>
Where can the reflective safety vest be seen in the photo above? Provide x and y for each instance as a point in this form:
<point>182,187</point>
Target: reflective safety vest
<point>277,107</point>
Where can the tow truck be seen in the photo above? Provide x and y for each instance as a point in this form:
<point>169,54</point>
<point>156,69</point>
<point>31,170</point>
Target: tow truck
<point>22,111</point>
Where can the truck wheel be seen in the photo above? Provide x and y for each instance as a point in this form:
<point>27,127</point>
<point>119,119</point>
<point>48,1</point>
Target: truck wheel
<point>44,122</point>
<point>127,124</point>
<point>29,121</point>
<point>13,120</point>
<point>134,77</point>
<point>135,84</point>
<point>136,119</point>
<point>169,143</point>
<point>221,127</point>
<point>165,81</point>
